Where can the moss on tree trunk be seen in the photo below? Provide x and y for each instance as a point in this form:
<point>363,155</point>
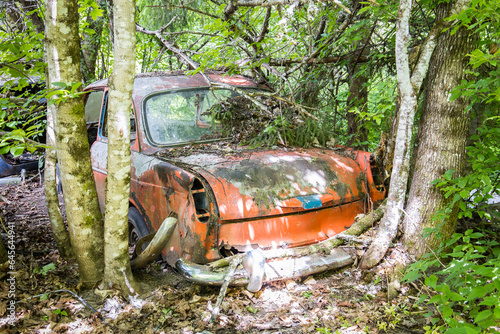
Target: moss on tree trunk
<point>441,140</point>
<point>80,196</point>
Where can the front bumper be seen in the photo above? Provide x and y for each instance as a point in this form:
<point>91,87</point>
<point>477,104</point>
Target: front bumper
<point>274,269</point>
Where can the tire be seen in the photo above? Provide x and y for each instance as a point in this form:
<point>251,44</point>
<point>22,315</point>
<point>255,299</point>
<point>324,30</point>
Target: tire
<point>137,227</point>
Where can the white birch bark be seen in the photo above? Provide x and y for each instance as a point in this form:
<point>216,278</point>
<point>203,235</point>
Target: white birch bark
<point>116,250</point>
<point>399,178</point>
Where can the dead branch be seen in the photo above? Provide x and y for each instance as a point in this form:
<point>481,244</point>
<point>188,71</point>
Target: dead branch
<point>190,32</point>
<point>227,279</point>
<point>269,3</point>
<point>18,70</point>
<point>265,26</point>
<point>187,8</point>
<point>299,107</point>
<point>179,53</point>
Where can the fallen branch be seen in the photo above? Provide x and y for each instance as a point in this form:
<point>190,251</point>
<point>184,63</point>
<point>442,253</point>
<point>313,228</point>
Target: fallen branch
<point>227,279</point>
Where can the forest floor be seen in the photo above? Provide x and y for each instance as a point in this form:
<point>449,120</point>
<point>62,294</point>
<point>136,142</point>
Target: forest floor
<point>47,298</point>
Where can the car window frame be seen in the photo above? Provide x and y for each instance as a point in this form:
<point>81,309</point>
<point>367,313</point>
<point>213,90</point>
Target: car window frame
<point>184,143</point>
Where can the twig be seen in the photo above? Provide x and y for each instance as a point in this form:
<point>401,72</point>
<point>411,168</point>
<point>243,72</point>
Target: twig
<point>227,279</point>
<point>63,290</point>
<point>18,70</point>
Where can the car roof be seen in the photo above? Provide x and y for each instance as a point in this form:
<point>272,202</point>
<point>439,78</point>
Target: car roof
<point>147,83</point>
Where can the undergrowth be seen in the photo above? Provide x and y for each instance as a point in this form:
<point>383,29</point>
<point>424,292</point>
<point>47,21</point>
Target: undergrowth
<point>465,284</point>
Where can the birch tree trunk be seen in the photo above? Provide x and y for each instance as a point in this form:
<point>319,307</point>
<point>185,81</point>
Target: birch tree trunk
<point>408,88</point>
<point>56,220</point>
<point>441,140</point>
<point>116,249</point>
<point>399,177</point>
<point>80,196</point>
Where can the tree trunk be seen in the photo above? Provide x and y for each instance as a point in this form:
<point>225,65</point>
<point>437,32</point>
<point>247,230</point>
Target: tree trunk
<point>357,100</point>
<point>408,88</point>
<point>358,92</point>
<point>56,220</point>
<point>116,249</point>
<point>90,46</point>
<point>442,137</point>
<point>408,103</point>
<point>80,196</point>
<point>30,9</point>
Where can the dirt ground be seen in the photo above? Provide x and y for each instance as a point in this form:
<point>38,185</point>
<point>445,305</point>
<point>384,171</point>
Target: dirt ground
<point>47,299</point>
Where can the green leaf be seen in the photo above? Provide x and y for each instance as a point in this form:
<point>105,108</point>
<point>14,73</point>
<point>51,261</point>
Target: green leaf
<point>436,299</point>
<point>490,301</point>
<point>60,84</point>
<point>496,312</point>
<point>411,276</point>
<point>483,315</point>
<point>461,330</point>
<point>447,311</point>
<point>431,281</point>
<point>16,150</point>
<point>49,267</point>
<point>448,175</point>
<point>464,193</point>
<point>478,292</point>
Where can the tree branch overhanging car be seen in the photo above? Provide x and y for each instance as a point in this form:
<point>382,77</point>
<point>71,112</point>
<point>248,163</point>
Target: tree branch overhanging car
<point>228,201</point>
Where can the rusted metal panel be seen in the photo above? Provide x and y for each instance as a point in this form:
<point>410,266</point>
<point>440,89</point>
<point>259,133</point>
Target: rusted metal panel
<point>291,230</point>
<point>256,183</point>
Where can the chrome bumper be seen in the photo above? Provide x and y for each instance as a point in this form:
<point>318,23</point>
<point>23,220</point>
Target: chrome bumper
<point>274,270</point>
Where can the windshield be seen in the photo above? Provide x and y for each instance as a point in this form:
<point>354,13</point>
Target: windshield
<point>178,116</point>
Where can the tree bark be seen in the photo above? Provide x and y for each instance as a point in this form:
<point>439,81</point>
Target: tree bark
<point>408,102</point>
<point>357,100</point>
<point>30,9</point>
<point>116,248</point>
<point>408,88</point>
<point>358,92</point>
<point>441,140</point>
<point>90,47</point>
<point>80,196</point>
<point>56,220</point>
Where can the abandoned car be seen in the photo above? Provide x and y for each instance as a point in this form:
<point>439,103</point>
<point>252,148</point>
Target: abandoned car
<point>230,201</point>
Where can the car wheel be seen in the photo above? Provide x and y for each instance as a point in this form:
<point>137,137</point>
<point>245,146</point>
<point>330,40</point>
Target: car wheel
<point>137,228</point>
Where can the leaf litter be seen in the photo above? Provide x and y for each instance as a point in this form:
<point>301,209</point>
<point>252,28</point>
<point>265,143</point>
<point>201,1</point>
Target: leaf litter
<point>346,301</point>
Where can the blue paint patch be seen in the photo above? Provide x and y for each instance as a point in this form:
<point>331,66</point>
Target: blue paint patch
<point>310,202</point>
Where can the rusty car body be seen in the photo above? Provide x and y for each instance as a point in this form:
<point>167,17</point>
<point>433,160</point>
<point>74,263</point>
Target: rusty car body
<point>227,201</point>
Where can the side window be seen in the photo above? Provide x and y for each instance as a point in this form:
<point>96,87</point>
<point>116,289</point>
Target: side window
<point>92,114</point>
<point>104,130</point>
